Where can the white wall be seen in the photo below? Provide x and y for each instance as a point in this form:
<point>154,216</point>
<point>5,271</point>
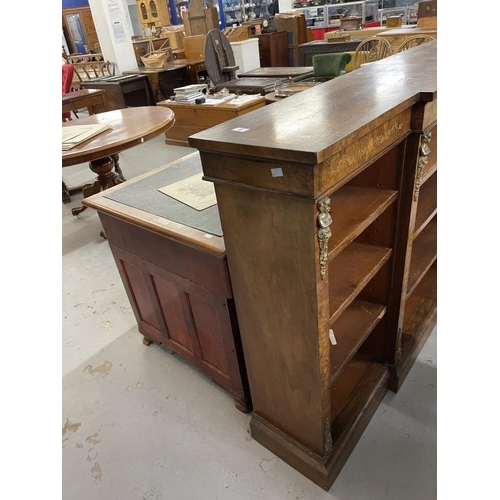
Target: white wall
<point>64,43</point>
<point>134,19</point>
<point>114,30</point>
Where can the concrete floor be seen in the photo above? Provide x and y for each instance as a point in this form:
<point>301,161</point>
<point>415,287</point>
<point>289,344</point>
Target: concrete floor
<point>141,424</point>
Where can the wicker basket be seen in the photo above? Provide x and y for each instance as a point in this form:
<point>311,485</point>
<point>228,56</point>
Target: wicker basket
<point>156,58</point>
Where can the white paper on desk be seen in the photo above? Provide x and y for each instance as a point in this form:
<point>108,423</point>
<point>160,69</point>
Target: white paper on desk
<point>192,191</point>
<point>243,99</point>
<point>215,102</point>
<point>76,134</point>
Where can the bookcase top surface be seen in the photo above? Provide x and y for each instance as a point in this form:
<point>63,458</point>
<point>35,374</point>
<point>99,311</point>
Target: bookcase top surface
<point>315,124</point>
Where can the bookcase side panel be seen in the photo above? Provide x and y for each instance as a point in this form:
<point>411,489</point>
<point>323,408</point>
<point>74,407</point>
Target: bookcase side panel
<point>273,261</point>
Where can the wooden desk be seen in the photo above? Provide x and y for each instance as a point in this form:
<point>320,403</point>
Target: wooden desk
<point>192,118</point>
<point>196,70</point>
<point>123,91</point>
<point>92,99</point>
<point>310,49</point>
<point>163,80</point>
<point>129,127</point>
<point>172,261</point>
<point>328,204</point>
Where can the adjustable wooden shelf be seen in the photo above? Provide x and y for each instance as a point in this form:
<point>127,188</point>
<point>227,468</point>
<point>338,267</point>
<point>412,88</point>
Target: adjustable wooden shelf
<point>328,206</point>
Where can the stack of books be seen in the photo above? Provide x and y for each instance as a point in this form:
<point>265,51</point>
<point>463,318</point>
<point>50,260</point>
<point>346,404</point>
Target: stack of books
<point>76,134</point>
<point>189,93</point>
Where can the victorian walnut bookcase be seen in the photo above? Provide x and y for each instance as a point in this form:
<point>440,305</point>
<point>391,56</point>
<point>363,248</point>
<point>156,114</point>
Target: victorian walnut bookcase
<point>328,207</point>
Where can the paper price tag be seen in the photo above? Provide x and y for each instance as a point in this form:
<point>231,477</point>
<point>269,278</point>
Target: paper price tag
<point>277,172</point>
<point>333,340</point>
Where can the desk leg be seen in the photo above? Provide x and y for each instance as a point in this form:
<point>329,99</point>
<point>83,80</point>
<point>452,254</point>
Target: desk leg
<point>106,178</point>
<point>66,198</point>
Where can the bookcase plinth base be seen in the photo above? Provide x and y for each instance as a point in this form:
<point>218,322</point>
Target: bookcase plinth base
<point>321,470</point>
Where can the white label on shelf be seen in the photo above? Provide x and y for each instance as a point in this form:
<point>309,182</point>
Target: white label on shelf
<point>333,340</point>
<point>240,129</point>
<point>277,172</point>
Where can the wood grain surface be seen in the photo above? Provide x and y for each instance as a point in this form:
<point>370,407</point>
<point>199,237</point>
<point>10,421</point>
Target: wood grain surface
<point>129,127</point>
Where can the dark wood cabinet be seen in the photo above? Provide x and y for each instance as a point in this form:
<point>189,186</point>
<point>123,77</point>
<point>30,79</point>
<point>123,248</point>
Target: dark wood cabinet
<point>296,29</point>
<point>273,49</point>
<point>74,20</point>
<point>329,213</point>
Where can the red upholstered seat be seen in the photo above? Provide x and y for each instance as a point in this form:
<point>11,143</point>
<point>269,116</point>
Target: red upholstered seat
<point>67,78</point>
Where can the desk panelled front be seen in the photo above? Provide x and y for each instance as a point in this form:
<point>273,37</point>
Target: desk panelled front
<point>172,262</point>
<point>327,201</point>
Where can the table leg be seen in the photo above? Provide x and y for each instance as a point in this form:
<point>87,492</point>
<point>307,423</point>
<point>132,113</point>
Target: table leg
<point>118,170</point>
<point>108,175</point>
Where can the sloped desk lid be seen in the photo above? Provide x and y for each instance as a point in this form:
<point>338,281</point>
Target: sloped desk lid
<point>144,195</point>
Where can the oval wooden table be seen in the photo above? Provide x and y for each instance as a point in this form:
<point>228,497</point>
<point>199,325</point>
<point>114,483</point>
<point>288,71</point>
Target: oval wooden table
<point>129,127</point>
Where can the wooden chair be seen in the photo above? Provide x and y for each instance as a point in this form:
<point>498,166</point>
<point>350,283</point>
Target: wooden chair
<point>326,67</point>
<point>370,50</point>
<point>89,66</point>
<point>219,57</point>
<point>221,68</point>
<point>414,41</point>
